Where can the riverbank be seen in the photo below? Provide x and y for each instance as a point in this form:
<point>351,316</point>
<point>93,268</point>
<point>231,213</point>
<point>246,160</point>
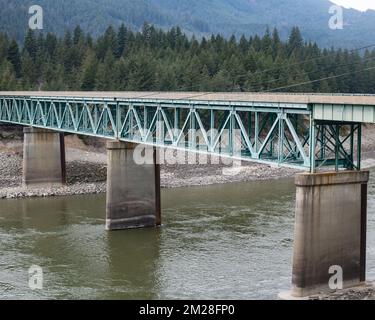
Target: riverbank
<point>87,168</point>
<point>363,292</point>
<point>86,162</point>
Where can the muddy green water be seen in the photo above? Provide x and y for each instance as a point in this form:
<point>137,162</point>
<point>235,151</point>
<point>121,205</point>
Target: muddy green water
<point>220,242</point>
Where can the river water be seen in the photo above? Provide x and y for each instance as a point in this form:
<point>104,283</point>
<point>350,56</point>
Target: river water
<point>229,241</point>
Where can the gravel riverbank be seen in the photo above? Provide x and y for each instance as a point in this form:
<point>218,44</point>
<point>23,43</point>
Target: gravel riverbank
<point>86,174</point>
<point>363,292</point>
<point>86,163</point>
<point>87,166</point>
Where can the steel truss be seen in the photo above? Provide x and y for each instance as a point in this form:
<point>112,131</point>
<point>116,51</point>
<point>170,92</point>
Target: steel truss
<point>337,144</point>
<point>266,133</point>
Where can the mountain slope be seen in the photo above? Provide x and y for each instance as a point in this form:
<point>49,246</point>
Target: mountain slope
<point>200,17</point>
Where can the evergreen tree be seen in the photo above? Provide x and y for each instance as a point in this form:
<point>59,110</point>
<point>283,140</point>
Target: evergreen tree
<point>121,41</point>
<point>14,57</point>
<point>89,73</point>
<point>8,80</point>
<point>295,42</point>
<point>30,45</point>
<point>153,59</point>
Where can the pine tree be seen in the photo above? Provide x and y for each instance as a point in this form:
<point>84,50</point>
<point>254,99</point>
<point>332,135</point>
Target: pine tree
<point>14,57</point>
<point>121,41</point>
<point>8,80</point>
<point>89,73</point>
<point>295,42</point>
<point>105,80</point>
<point>31,45</point>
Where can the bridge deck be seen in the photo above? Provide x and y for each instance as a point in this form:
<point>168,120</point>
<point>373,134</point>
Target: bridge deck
<point>343,99</point>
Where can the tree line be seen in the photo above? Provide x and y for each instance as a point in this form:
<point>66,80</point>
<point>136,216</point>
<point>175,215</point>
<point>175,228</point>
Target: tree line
<point>156,60</point>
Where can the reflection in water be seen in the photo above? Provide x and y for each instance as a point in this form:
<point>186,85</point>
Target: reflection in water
<point>132,262</point>
<point>227,241</point>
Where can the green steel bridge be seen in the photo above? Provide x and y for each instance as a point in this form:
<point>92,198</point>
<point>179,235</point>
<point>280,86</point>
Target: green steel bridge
<point>304,131</point>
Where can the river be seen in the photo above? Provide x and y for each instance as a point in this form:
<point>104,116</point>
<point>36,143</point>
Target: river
<point>230,241</point>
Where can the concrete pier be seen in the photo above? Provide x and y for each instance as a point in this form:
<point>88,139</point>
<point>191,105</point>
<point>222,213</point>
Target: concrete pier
<point>133,190</point>
<point>330,230</point>
<point>43,157</point>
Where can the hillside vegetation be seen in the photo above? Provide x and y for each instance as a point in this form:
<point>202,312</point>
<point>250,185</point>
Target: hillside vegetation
<point>153,59</point>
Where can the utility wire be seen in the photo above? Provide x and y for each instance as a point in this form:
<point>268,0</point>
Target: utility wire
<point>311,72</point>
<point>263,71</point>
<point>321,79</point>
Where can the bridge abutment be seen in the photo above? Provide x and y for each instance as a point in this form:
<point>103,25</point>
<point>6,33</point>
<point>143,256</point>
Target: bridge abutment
<point>330,231</point>
<point>133,190</point>
<point>43,157</point>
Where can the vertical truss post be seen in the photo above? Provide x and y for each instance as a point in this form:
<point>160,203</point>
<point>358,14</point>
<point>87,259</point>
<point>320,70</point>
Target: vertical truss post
<point>359,146</point>
<point>295,118</point>
<point>352,131</point>
<point>105,118</point>
<point>131,122</point>
<point>176,117</point>
<point>256,136</point>
<point>76,111</point>
<point>322,141</point>
<point>159,127</point>
<point>118,120</point>
<point>312,145</point>
<point>337,146</point>
<point>281,139</point>
<point>60,110</point>
<point>145,120</point>
<point>250,125</point>
<point>231,133</point>
<point>212,127</point>
<point>192,136</point>
<point>272,120</point>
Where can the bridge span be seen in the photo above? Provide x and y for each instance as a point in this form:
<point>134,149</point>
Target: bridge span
<point>281,129</point>
<point>305,131</point>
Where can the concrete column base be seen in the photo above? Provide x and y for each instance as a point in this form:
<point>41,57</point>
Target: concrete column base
<point>43,157</point>
<point>330,230</point>
<point>133,190</point>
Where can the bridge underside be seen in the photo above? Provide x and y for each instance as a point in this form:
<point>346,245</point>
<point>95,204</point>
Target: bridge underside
<point>271,133</point>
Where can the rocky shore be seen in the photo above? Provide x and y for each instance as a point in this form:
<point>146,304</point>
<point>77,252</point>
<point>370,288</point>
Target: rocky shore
<point>86,164</point>
<point>363,292</point>
<point>86,174</point>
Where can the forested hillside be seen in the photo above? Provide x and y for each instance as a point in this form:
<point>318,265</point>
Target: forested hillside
<point>199,17</point>
<point>153,59</point>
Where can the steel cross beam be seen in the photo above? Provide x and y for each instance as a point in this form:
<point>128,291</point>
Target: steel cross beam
<point>271,133</point>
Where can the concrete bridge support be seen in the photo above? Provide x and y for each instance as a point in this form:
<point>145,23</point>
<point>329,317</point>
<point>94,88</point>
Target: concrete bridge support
<point>330,231</point>
<point>133,190</point>
<point>43,157</point>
